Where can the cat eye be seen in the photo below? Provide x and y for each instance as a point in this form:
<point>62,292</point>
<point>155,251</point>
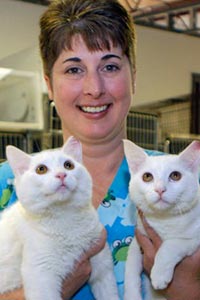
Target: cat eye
<point>175,176</point>
<point>68,165</point>
<point>147,177</point>
<point>41,169</point>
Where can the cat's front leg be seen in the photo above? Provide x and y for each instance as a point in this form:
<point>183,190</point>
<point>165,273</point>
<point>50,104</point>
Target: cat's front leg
<point>169,254</point>
<point>102,279</point>
<point>133,272</point>
<point>40,285</point>
<point>41,273</point>
<point>10,253</point>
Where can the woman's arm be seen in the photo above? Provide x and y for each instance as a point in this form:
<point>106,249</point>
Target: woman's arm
<point>186,280</point>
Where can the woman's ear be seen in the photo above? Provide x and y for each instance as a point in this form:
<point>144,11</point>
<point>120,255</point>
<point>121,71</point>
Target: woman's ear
<point>49,86</point>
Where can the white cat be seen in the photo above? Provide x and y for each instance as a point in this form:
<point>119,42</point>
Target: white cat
<point>53,223</point>
<point>166,189</point>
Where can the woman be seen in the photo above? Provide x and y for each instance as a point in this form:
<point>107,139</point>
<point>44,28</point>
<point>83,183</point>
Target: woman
<point>88,53</point>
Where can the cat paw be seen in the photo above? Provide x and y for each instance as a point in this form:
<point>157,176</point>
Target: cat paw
<point>160,280</point>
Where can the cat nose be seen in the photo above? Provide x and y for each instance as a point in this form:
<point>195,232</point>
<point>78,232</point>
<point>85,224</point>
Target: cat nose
<point>61,176</point>
<point>160,191</point>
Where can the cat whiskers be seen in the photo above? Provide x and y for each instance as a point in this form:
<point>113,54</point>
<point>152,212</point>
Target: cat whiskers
<point>178,207</point>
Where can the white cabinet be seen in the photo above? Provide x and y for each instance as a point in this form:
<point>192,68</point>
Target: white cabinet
<point>21,106</point>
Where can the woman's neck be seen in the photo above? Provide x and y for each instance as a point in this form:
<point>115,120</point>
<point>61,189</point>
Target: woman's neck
<point>102,165</point>
<point>102,160</point>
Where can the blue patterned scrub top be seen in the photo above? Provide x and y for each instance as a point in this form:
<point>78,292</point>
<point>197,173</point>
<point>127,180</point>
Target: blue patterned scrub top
<point>116,213</point>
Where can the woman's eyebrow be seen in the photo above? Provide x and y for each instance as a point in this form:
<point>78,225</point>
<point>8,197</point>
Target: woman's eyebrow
<point>75,59</point>
<point>110,55</point>
<point>105,57</point>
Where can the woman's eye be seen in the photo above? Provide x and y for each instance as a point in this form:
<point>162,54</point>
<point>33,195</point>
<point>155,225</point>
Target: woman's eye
<point>110,68</point>
<point>73,70</point>
<point>68,165</point>
<point>41,169</point>
<point>147,177</point>
<point>175,176</point>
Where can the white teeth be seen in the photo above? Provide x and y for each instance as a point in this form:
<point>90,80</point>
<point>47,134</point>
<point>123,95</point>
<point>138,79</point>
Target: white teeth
<point>92,109</point>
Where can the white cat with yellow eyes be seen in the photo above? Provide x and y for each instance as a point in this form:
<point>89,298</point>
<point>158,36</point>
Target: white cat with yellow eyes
<point>51,226</point>
<point>166,189</point>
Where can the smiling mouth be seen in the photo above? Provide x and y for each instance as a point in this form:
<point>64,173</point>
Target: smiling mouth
<point>94,109</point>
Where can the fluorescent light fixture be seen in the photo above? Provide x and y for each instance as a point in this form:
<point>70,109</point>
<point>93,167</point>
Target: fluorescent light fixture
<point>4,72</point>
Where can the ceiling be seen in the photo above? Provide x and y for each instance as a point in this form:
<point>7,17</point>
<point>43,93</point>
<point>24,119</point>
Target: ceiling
<point>181,16</point>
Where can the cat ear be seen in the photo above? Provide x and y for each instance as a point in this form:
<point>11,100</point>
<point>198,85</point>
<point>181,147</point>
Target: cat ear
<point>18,159</point>
<point>135,155</point>
<point>73,148</point>
<point>191,155</point>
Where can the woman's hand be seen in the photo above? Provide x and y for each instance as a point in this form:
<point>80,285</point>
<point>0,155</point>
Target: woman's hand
<point>17,294</point>
<point>82,270</point>
<point>185,284</point>
<point>149,244</point>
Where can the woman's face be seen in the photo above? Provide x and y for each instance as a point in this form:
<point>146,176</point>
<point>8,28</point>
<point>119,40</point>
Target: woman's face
<point>92,92</point>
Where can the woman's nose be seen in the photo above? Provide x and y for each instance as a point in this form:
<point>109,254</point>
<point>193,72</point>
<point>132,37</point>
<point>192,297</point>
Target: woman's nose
<point>93,85</point>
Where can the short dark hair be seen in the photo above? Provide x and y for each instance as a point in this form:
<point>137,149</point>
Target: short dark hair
<point>99,22</point>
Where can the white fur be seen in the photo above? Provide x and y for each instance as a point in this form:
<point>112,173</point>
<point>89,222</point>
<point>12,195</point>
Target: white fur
<point>45,233</point>
<point>174,214</point>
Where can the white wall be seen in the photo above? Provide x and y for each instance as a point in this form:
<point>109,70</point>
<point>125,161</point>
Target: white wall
<point>19,27</point>
<point>165,60</point>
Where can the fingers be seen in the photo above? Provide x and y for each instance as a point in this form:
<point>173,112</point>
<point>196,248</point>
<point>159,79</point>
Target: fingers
<point>82,269</point>
<point>143,240</point>
<point>149,243</point>
<point>151,234</point>
<point>98,246</point>
<point>76,279</point>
